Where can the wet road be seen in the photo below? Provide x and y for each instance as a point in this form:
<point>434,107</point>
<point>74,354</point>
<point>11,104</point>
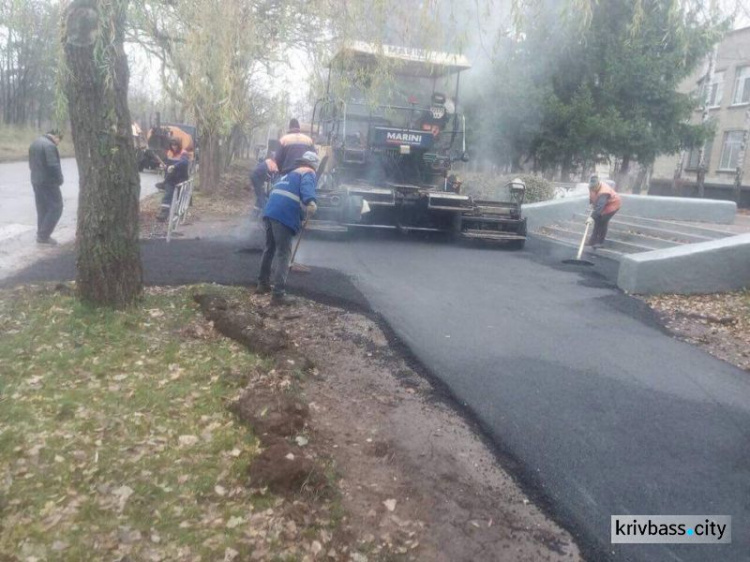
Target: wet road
<point>590,404</point>
<point>18,213</point>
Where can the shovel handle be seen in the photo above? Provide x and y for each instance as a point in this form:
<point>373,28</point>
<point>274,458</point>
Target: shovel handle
<point>583,241</point>
<point>299,239</point>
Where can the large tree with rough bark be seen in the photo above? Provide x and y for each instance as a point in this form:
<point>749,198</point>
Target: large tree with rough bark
<point>96,85</point>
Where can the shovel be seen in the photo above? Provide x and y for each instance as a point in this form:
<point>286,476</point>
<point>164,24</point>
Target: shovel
<point>298,267</point>
<point>578,260</point>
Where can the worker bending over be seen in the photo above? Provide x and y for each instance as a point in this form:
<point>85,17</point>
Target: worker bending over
<point>606,203</point>
<point>292,198</point>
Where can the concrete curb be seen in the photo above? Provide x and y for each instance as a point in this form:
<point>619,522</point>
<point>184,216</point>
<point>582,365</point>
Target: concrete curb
<point>679,208</point>
<point>705,267</point>
<point>645,206</point>
<point>543,214</point>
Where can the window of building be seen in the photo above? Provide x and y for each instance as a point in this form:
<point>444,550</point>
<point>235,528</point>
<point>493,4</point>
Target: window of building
<point>742,86</point>
<point>730,151</point>
<point>715,92</point>
<point>692,162</point>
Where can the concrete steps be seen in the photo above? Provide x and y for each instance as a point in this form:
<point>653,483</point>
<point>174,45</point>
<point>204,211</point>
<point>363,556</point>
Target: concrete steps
<point>625,233</point>
<point>708,230</point>
<point>703,246</point>
<point>624,243</point>
<point>569,243</point>
<point>632,235</point>
<point>663,230</point>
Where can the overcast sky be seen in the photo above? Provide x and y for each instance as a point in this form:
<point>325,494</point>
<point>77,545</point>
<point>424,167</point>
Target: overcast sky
<point>145,72</point>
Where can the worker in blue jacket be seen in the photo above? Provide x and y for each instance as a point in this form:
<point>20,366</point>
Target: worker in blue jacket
<point>291,200</point>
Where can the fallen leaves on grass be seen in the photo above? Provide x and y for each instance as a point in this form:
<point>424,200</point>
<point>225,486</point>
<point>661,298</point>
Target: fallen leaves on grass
<point>115,441</point>
<point>720,323</point>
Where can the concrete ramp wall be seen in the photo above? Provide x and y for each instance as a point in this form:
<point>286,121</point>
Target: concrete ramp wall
<point>712,266</point>
<point>706,267</point>
<point>646,206</point>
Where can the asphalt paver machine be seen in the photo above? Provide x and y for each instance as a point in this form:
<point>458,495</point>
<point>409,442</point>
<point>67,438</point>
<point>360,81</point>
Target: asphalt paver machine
<point>389,138</point>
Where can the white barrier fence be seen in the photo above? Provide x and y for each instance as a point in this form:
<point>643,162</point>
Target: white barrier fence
<point>178,211</point>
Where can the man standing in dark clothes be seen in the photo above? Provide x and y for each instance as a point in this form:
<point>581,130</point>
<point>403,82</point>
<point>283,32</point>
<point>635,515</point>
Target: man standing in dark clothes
<point>46,179</point>
<point>264,172</point>
<point>291,148</point>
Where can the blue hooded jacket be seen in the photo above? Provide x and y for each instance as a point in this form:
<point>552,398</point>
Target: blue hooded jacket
<point>288,197</point>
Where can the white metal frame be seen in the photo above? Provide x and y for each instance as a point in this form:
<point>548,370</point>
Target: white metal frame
<point>178,211</point>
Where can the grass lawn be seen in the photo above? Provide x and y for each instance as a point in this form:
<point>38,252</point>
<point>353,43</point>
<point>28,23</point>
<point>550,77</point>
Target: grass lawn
<point>15,141</point>
<point>114,438</point>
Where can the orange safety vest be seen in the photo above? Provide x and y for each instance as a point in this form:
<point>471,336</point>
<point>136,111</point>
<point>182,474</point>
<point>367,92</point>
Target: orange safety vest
<point>614,202</point>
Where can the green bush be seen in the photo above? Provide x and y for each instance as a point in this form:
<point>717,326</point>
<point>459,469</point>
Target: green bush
<point>493,187</point>
<point>537,188</point>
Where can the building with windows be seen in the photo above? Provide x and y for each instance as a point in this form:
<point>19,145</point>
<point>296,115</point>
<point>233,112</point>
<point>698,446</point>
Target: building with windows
<point>728,105</point>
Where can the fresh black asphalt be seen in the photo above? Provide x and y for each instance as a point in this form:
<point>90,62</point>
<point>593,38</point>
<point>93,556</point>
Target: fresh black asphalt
<point>596,410</point>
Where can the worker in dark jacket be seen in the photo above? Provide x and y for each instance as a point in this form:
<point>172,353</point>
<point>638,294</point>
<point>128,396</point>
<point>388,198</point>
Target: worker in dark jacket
<point>264,172</point>
<point>606,202</point>
<point>178,171</point>
<point>46,179</point>
<point>292,198</point>
<point>291,147</point>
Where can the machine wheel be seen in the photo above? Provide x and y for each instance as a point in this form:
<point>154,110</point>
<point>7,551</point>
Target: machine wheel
<point>519,244</point>
<point>455,233</point>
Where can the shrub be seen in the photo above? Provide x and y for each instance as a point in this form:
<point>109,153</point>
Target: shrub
<point>493,187</point>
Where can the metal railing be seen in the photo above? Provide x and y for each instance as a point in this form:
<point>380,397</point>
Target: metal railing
<point>178,211</point>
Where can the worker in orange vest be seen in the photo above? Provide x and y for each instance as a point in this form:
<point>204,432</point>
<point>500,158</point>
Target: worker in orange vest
<point>291,148</point>
<point>605,203</point>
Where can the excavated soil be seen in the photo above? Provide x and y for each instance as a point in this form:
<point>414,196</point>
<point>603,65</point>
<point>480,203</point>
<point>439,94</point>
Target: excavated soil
<point>347,417</point>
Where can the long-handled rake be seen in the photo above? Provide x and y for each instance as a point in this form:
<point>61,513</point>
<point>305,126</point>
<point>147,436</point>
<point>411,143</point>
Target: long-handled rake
<point>577,260</point>
<point>298,267</point>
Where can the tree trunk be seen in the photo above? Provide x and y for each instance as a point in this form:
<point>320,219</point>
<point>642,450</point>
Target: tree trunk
<point>108,256</point>
<point>565,169</point>
<point>623,173</point>
<point>211,162</point>
<point>701,180</point>
<point>640,180</point>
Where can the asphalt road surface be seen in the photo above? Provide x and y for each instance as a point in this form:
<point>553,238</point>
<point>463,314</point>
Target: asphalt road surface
<point>590,404</point>
<point>18,212</point>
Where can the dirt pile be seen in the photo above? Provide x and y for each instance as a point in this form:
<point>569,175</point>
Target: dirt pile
<point>235,181</point>
<point>361,440</point>
<point>271,414</point>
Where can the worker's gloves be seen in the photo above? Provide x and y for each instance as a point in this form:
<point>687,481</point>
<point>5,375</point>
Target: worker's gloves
<point>590,221</point>
<point>311,208</point>
<point>170,169</point>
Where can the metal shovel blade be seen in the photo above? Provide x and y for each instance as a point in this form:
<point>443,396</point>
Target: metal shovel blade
<point>577,262</point>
